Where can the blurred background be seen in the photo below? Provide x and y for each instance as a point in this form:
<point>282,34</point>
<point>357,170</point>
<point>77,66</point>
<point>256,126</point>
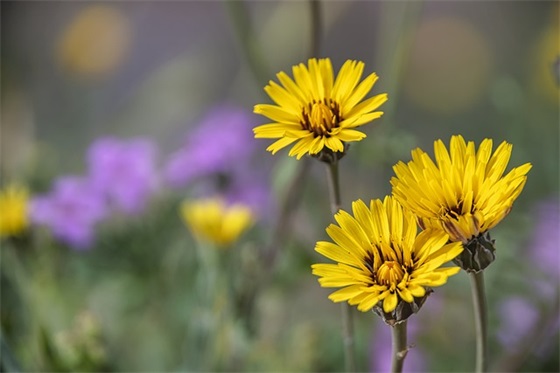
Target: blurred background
<point>113,113</point>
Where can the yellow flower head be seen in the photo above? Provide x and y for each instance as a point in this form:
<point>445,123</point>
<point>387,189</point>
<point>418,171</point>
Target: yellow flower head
<point>213,221</point>
<point>465,192</point>
<point>317,111</point>
<point>13,210</point>
<point>382,259</point>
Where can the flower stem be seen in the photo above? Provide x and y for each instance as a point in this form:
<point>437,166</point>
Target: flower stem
<point>243,27</point>
<point>316,27</point>
<point>334,186</point>
<point>347,326</point>
<point>400,350</point>
<point>480,318</point>
<point>348,338</point>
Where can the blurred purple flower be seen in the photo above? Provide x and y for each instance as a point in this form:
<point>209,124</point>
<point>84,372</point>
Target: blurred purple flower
<point>124,171</point>
<point>70,211</point>
<point>222,142</point>
<point>248,190</point>
<point>380,352</point>
<point>249,187</point>
<point>518,317</point>
<point>545,245</point>
<point>256,195</point>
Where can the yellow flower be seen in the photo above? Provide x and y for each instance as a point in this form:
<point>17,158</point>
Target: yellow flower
<point>213,221</point>
<point>382,259</point>
<point>316,110</point>
<point>13,210</point>
<point>465,193</point>
<point>95,42</point>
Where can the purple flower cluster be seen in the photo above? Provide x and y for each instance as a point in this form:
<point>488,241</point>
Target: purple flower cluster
<point>221,143</point>
<point>218,158</point>
<point>521,315</point>
<point>123,171</point>
<point>121,175</point>
<point>545,244</point>
<point>70,210</point>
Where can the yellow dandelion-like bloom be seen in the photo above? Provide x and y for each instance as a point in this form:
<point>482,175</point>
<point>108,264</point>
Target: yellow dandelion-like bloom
<point>211,220</point>
<point>13,210</point>
<point>465,193</point>
<point>382,259</point>
<point>317,111</point>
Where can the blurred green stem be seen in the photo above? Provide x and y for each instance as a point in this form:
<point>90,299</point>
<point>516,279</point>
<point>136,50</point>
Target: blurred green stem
<point>347,327</point>
<point>22,280</point>
<point>246,35</point>
<point>290,199</point>
<point>480,319</point>
<point>8,363</point>
<point>395,39</point>
<point>399,349</point>
<point>316,27</point>
<point>206,291</point>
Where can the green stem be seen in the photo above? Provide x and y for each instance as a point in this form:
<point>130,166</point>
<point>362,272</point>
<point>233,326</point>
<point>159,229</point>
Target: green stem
<point>398,332</point>
<point>396,46</point>
<point>480,319</point>
<point>316,27</point>
<point>9,362</point>
<point>246,35</point>
<point>334,186</point>
<point>348,338</point>
<point>347,326</point>
<point>206,289</point>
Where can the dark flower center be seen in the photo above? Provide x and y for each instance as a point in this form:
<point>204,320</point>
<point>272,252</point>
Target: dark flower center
<point>456,211</point>
<point>390,272</point>
<point>320,117</point>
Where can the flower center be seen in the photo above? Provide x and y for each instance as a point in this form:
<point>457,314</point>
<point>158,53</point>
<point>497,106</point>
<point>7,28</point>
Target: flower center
<point>390,273</point>
<point>321,117</point>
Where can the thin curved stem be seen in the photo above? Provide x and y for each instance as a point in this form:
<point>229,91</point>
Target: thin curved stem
<point>246,35</point>
<point>480,319</point>
<point>347,326</point>
<point>399,348</point>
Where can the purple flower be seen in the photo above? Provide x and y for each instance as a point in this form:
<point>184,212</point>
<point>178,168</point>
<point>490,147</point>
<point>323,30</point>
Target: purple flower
<point>253,193</point>
<point>70,211</point>
<point>245,187</point>
<point>380,356</point>
<point>222,141</point>
<point>545,249</point>
<point>124,171</point>
<point>518,317</point>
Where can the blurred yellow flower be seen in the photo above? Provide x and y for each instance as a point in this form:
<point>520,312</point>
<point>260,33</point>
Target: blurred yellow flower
<point>13,210</point>
<point>211,220</point>
<point>450,65</point>
<point>95,42</point>
<point>382,260</point>
<point>465,193</point>
<point>317,111</point>
<point>543,76</point>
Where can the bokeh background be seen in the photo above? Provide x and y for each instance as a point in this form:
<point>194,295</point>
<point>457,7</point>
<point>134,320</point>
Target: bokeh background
<point>179,81</point>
